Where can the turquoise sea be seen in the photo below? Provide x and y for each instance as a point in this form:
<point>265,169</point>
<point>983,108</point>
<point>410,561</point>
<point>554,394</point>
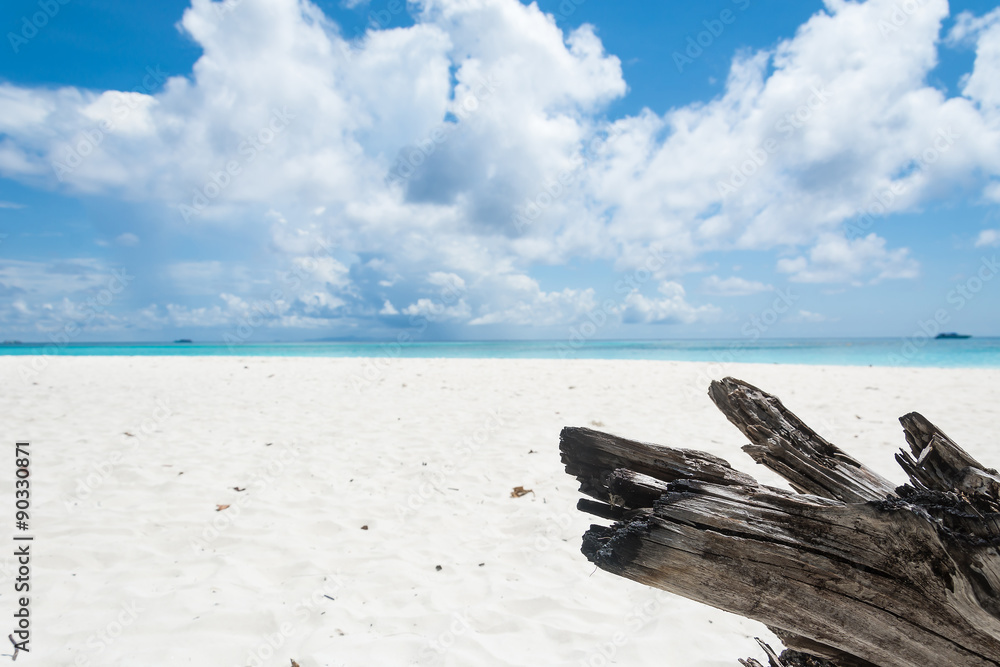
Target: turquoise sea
<point>913,351</point>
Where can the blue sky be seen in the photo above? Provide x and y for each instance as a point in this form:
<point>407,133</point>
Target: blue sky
<point>259,170</point>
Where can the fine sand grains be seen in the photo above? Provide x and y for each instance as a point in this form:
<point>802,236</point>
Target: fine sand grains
<point>369,518</point>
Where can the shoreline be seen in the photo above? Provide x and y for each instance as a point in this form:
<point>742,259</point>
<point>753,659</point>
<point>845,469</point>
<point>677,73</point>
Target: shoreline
<point>982,353</point>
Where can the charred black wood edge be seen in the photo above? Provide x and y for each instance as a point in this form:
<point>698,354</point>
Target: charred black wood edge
<point>614,546</point>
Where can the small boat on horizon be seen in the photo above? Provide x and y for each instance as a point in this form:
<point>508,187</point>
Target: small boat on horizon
<point>183,340</point>
<point>951,336</point>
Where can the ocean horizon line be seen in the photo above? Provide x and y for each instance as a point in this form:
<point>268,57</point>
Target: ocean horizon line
<point>363,341</point>
<point>912,351</point>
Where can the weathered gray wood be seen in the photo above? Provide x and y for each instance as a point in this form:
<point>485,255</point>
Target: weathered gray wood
<point>858,573</point>
<point>595,455</point>
<point>783,443</point>
<point>788,659</point>
<point>941,465</point>
<point>802,652</point>
<point>772,659</point>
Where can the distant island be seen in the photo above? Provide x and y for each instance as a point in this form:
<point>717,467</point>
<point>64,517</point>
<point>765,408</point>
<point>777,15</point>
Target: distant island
<point>12,342</point>
<point>951,336</point>
<point>183,340</point>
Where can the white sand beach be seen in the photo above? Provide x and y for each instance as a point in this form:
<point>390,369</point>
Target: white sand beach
<point>374,523</point>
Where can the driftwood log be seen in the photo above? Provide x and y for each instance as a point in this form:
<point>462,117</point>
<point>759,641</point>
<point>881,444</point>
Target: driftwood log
<point>850,571</point>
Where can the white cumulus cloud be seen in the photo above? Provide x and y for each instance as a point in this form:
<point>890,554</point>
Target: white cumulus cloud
<point>670,308</point>
<point>414,150</point>
<point>835,259</point>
